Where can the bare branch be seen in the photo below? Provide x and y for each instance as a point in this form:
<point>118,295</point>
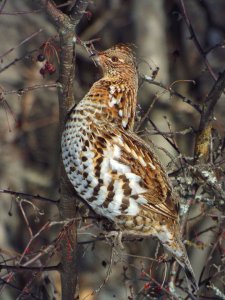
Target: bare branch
<point>196,41</point>
<point>5,282</point>
<point>21,43</point>
<point>26,55</point>
<point>32,11</point>
<point>203,137</point>
<point>210,255</point>
<point>28,196</point>
<point>31,88</point>
<point>22,268</point>
<point>211,101</point>
<point>59,18</point>
<point>172,92</point>
<point>218,292</point>
<point>78,10</point>
<point>216,46</point>
<point>2,5</point>
<point>146,115</point>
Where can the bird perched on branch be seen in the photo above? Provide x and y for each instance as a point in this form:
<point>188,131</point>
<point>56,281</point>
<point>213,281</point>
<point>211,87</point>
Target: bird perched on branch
<point>113,169</point>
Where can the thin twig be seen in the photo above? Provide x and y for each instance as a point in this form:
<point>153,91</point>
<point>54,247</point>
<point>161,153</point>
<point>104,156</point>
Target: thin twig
<point>211,101</point>
<point>33,11</point>
<point>26,219</point>
<point>172,92</point>
<point>2,6</point>
<point>28,196</point>
<point>206,280</point>
<point>109,270</point>
<point>21,43</point>
<point>196,41</point>
<point>30,268</point>
<point>216,291</point>
<point>31,88</point>
<point>203,137</point>
<point>146,115</point>
<point>78,10</point>
<point>5,282</point>
<point>166,291</point>
<point>167,133</point>
<point>216,46</point>
<point>165,137</point>
<point>210,255</point>
<point>26,55</point>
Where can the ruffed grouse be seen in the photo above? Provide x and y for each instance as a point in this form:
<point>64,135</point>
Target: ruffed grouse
<point>113,169</point>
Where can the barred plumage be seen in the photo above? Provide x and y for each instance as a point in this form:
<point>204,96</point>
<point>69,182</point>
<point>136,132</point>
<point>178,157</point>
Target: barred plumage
<point>114,170</point>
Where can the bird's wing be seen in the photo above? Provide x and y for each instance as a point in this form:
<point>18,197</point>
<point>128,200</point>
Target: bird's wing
<point>153,183</point>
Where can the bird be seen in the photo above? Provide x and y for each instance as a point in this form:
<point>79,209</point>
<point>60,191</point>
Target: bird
<point>112,168</point>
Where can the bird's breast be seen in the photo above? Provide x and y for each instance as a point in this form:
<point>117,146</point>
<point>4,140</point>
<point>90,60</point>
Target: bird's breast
<point>94,168</point>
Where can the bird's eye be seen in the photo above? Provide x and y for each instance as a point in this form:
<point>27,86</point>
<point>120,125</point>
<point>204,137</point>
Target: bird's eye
<point>114,59</point>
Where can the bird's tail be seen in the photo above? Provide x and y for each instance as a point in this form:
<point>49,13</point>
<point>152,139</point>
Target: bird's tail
<point>185,264</point>
<point>180,254</point>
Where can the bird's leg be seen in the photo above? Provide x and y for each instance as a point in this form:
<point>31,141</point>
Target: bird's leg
<point>116,237</point>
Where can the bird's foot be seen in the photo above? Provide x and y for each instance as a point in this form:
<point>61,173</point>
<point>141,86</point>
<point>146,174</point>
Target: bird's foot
<point>116,238</point>
<point>164,258</point>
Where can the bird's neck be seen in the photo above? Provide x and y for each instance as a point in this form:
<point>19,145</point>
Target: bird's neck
<point>111,99</point>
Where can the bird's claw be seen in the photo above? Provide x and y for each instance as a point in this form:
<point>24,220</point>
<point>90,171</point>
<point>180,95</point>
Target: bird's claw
<point>116,237</point>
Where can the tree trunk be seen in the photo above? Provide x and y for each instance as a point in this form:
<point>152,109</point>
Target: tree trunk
<point>67,208</point>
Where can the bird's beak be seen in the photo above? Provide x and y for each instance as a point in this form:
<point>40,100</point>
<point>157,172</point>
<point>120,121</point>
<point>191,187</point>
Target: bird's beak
<point>94,55</point>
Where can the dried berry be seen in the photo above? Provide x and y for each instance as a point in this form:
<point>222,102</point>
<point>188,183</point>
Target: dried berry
<point>43,71</point>
<point>40,57</point>
<point>50,68</point>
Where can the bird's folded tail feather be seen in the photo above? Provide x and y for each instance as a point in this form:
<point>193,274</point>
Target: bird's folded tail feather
<point>183,260</point>
<point>189,273</point>
<point>177,248</point>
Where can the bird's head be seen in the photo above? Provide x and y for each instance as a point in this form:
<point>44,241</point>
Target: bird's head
<point>116,60</point>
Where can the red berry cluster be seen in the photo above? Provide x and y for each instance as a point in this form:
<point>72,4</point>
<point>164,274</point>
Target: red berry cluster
<point>47,68</point>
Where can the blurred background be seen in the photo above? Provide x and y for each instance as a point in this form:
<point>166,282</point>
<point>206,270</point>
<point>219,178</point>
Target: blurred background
<point>29,137</point>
